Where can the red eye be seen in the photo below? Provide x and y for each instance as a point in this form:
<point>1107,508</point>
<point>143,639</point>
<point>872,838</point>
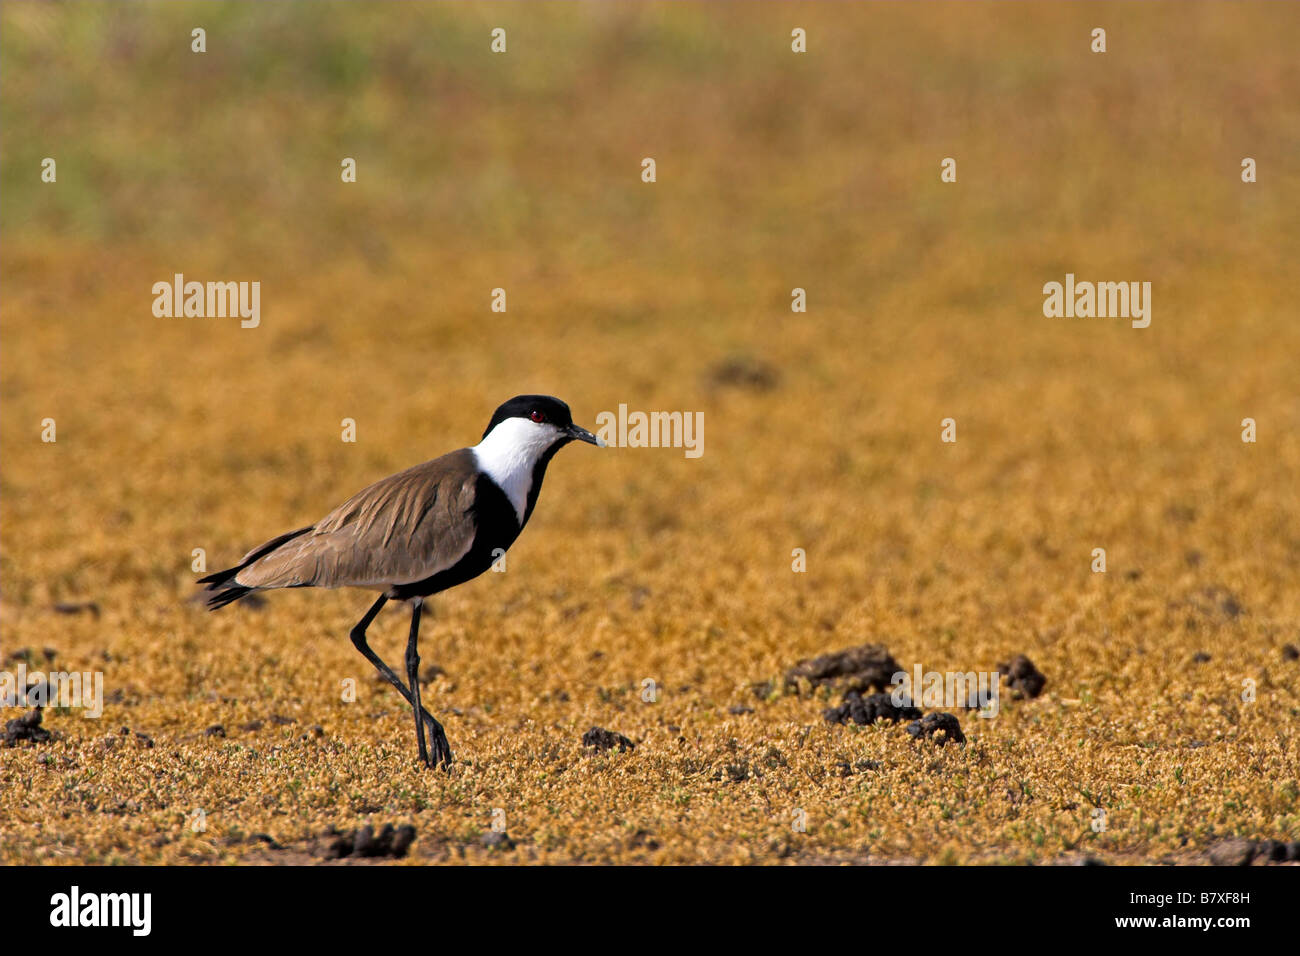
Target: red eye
<point>537,417</point>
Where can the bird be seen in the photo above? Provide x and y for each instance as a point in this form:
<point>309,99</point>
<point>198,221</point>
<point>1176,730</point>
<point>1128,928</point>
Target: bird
<point>417,533</point>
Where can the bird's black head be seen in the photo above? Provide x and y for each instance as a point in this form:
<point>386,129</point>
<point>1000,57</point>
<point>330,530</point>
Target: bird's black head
<point>544,411</point>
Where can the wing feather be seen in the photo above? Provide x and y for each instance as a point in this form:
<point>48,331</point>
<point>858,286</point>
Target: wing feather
<point>399,530</point>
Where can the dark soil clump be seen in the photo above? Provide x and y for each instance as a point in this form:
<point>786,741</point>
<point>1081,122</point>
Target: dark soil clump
<point>391,842</point>
<point>867,667</point>
<point>869,709</point>
<point>941,728</point>
<point>602,740</point>
<point>1025,679</point>
<point>26,727</point>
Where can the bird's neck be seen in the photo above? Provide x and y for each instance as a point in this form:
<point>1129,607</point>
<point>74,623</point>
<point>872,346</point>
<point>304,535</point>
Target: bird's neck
<point>514,455</point>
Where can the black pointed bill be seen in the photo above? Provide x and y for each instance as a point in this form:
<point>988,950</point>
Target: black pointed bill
<point>581,434</point>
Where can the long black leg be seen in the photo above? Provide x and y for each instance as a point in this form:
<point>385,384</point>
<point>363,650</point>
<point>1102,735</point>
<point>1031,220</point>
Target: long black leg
<point>441,749</point>
<point>413,677</point>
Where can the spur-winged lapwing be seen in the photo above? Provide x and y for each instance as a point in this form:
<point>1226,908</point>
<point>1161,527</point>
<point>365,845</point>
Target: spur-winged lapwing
<point>418,532</point>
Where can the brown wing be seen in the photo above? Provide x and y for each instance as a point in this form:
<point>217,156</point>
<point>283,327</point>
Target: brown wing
<point>397,531</point>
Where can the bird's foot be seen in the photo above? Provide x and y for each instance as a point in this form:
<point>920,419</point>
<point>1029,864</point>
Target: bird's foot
<point>439,750</point>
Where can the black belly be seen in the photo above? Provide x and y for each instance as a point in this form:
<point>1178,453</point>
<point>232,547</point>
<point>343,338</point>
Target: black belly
<point>497,529</point>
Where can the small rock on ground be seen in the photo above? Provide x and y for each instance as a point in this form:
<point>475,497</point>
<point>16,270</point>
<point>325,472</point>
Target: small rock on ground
<point>1239,852</point>
<point>600,740</point>
<point>1232,853</point>
<point>866,667</point>
<point>1025,679</point>
<point>941,728</point>
<point>869,709</point>
<point>392,842</point>
<point>498,840</point>
<point>26,727</point>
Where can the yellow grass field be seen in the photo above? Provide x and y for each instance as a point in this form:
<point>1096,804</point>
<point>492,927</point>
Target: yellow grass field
<point>1171,702</point>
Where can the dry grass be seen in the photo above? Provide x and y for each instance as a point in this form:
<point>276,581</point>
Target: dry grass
<point>775,171</point>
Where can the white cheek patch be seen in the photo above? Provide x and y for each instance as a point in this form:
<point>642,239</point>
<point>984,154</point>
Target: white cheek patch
<point>510,452</point>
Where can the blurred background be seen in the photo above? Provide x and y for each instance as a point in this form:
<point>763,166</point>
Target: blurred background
<point>775,170</point>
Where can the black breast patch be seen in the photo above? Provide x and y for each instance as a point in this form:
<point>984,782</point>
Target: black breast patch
<point>496,528</point>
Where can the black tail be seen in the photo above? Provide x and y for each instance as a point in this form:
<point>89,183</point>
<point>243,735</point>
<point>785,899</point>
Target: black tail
<point>225,589</point>
<point>220,598</point>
